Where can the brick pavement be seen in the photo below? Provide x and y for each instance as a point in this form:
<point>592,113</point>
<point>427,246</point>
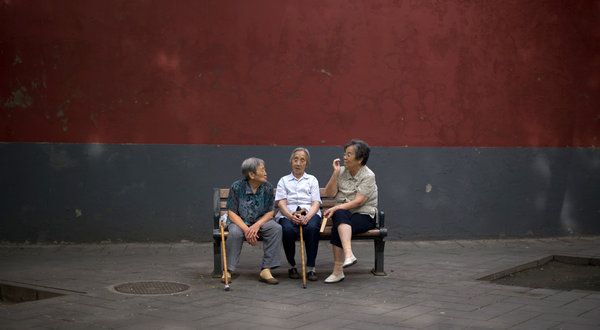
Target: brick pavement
<point>430,285</point>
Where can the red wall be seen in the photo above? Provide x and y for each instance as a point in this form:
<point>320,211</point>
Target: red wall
<point>416,73</point>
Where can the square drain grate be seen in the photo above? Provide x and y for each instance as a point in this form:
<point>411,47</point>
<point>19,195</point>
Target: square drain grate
<point>14,294</point>
<point>552,272</point>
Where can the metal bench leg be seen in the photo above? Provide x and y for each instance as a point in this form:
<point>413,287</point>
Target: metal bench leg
<point>218,267</point>
<point>379,245</point>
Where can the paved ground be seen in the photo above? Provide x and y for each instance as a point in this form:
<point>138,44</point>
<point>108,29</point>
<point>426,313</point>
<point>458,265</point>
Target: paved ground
<point>431,285</point>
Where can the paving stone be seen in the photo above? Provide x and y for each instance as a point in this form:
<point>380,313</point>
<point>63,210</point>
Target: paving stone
<point>283,314</point>
<point>449,305</point>
<point>515,317</point>
<point>461,323</point>
<point>373,326</point>
<point>553,310</point>
<point>317,315</point>
<point>524,300</point>
<point>594,296</point>
<point>485,313</point>
<point>450,326</point>
<point>408,312</point>
<point>371,310</point>
<point>20,314</point>
<point>421,321</point>
<point>535,324</point>
<point>6,324</point>
<point>594,314</point>
<point>275,306</point>
<point>582,305</point>
<point>386,320</point>
<point>155,324</point>
<point>545,292</point>
<point>567,296</point>
<point>356,316</point>
<point>331,323</point>
<point>167,314</point>
<point>572,326</point>
<point>71,325</point>
<point>268,320</point>
<point>581,320</point>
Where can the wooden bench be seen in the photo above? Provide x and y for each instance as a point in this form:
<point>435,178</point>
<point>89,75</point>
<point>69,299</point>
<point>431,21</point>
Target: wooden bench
<point>377,235</point>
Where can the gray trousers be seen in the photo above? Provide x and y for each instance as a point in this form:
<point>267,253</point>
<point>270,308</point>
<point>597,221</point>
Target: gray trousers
<point>271,236</point>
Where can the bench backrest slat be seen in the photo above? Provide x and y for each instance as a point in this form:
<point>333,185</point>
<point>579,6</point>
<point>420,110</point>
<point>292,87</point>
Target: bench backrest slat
<point>224,192</point>
<point>220,206</point>
<point>326,203</point>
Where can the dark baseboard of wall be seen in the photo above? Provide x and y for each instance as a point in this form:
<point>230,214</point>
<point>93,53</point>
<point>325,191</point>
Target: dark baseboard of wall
<point>139,193</point>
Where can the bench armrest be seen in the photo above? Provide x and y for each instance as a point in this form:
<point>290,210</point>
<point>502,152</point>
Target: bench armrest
<point>380,219</point>
<point>216,208</point>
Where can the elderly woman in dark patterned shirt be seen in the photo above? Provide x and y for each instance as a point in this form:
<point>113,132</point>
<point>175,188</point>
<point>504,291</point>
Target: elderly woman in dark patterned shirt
<point>250,207</point>
<point>355,191</point>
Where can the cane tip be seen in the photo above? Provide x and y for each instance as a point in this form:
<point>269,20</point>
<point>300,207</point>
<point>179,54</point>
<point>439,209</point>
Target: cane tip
<point>227,288</point>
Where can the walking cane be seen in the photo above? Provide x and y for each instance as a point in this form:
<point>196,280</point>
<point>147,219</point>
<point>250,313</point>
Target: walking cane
<point>302,258</point>
<point>224,253</point>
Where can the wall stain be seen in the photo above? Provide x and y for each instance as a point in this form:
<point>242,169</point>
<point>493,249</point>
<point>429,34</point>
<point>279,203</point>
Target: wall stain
<point>60,159</point>
<point>17,60</point>
<point>62,116</point>
<point>19,98</point>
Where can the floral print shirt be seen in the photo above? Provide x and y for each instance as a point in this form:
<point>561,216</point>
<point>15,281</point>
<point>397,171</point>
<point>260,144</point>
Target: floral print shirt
<point>248,205</point>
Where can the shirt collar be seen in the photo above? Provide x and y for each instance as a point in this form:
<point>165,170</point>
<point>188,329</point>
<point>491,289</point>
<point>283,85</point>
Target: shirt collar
<point>358,173</point>
<point>249,188</point>
<point>292,177</point>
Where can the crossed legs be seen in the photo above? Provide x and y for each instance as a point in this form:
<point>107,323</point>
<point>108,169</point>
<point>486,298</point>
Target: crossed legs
<point>346,224</point>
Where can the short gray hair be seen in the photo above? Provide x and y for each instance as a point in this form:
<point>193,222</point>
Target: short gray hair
<point>361,149</point>
<point>305,152</point>
<point>250,165</point>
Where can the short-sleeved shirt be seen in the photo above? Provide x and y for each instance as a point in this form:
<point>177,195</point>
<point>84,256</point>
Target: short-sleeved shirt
<point>248,205</point>
<point>298,192</point>
<point>364,183</point>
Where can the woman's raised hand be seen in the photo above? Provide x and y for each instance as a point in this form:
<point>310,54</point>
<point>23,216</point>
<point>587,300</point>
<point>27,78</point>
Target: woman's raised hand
<point>336,165</point>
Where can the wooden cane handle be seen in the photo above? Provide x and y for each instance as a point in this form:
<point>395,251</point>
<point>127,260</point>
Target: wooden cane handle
<point>323,224</point>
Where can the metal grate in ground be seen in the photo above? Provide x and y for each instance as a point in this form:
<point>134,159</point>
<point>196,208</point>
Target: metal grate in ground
<point>151,287</point>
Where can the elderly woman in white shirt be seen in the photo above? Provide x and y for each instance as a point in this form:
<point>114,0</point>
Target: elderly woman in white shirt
<point>299,191</point>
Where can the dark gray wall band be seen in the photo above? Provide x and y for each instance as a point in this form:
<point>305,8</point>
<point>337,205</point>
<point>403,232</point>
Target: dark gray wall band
<point>116,192</point>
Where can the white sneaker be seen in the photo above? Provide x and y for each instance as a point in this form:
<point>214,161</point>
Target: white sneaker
<point>334,278</point>
<point>349,262</point>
